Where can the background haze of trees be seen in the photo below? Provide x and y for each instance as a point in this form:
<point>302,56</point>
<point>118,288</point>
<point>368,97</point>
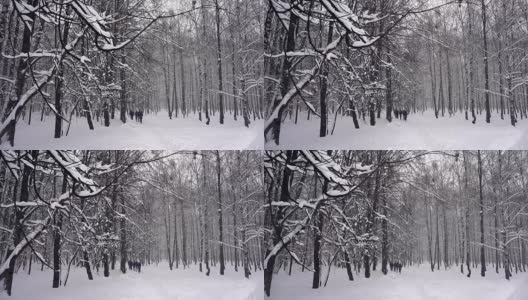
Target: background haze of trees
<point>361,210</point>
<point>97,210</point>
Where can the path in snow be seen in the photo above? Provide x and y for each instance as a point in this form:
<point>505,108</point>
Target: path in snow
<point>153,283</point>
<point>157,132</point>
<point>416,283</point>
<point>521,293</point>
<point>421,131</point>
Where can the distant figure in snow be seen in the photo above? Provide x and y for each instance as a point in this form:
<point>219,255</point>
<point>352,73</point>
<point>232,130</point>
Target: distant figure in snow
<point>405,114</point>
<point>141,116</point>
<point>134,265</point>
<point>131,114</point>
<point>391,266</point>
<point>397,114</point>
<point>398,267</point>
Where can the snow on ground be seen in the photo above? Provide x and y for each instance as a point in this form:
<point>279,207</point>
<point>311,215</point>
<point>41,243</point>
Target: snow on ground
<point>153,283</point>
<point>421,131</point>
<point>157,132</point>
<point>415,283</point>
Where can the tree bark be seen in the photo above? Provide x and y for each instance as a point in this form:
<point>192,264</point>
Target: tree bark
<point>481,213</point>
<point>57,242</point>
<point>324,89</point>
<point>219,65</point>
<point>123,244</point>
<point>220,215</point>
<point>486,65</point>
<point>20,81</point>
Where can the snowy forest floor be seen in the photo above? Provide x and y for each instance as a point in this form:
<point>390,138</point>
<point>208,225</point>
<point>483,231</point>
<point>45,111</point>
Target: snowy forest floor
<point>414,283</point>
<point>153,283</point>
<point>156,132</point>
<point>420,131</point>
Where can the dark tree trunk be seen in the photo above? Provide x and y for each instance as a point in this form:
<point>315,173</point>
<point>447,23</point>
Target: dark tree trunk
<point>446,237</point>
<point>123,94</point>
<point>206,215</point>
<point>385,240</point>
<point>316,282</point>
<point>324,89</point>
<point>348,267</point>
<point>471,65</point>
<point>481,213</point>
<point>220,215</point>
<point>58,86</point>
<point>57,242</point>
<point>7,276</point>
<point>220,80</point>
<point>204,70</point>
<point>467,241</point>
<point>388,96</point>
<point>184,238</point>
<point>284,84</point>
<point>366,264</point>
<point>86,263</point>
<point>123,246</point>
<point>276,234</point>
<point>486,68</point>
<point>20,81</point>
<point>182,70</point>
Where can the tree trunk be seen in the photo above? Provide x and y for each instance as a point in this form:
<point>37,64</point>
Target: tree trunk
<point>486,67</point>
<point>350,274</point>
<point>123,244</point>
<point>481,213</point>
<point>204,70</point>
<point>318,234</point>
<point>388,96</point>
<point>220,209</point>
<point>7,276</point>
<point>276,233</point>
<point>59,84</point>
<point>467,238</point>
<point>446,238</point>
<point>385,239</point>
<point>284,84</point>
<point>182,70</point>
<point>471,65</point>
<point>57,241</point>
<point>220,80</point>
<point>184,236</point>
<point>206,216</point>
<point>324,89</point>
<point>20,81</point>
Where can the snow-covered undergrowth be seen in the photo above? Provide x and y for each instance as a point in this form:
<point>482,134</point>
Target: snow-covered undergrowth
<point>157,132</point>
<point>153,283</point>
<point>415,283</point>
<point>420,131</point>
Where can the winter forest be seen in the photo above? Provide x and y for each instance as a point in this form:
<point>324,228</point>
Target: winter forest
<point>131,224</point>
<point>396,225</point>
<point>415,73</point>
<point>263,149</point>
<point>87,74</point>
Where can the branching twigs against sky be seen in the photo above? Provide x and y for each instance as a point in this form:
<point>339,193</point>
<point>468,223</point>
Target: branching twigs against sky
<point>21,165</point>
<point>308,161</point>
<point>413,205</point>
<point>114,201</point>
<point>351,27</point>
<point>84,23</point>
<point>79,175</point>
